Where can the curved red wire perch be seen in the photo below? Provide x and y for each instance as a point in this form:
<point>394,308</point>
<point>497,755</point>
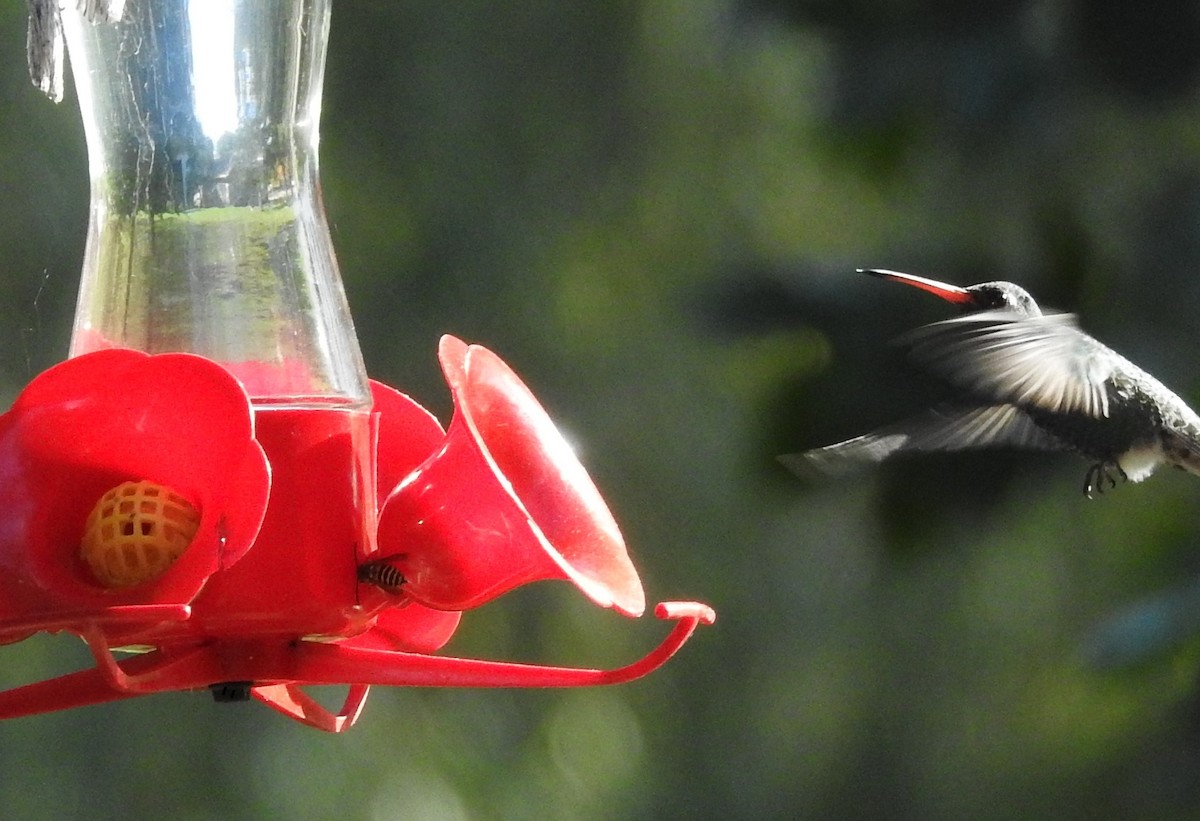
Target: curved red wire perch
<point>275,672</point>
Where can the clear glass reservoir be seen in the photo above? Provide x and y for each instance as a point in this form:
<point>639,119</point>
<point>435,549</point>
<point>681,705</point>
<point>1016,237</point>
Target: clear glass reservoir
<point>207,233</point>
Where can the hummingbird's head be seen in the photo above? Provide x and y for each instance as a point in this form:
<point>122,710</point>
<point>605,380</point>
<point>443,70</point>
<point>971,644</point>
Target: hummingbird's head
<point>1001,296</point>
<point>986,296</point>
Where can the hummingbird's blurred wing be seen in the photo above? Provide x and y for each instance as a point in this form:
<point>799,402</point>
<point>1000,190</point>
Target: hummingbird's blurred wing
<point>1039,361</point>
<point>941,428</point>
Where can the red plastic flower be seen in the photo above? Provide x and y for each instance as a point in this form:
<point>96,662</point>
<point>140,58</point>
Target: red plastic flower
<point>94,422</point>
<point>503,502</point>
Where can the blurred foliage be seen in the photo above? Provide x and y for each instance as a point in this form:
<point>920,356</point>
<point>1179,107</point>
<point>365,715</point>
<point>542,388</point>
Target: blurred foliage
<point>653,210</point>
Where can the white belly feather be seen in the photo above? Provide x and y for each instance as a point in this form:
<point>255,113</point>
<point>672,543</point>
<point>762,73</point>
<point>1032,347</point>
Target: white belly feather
<point>1140,461</point>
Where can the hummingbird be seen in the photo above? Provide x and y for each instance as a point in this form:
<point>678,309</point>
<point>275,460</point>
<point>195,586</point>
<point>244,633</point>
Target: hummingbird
<point>1029,379</point>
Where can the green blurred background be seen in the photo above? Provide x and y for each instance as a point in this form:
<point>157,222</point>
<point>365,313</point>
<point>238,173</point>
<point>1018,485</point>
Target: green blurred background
<point>653,210</point>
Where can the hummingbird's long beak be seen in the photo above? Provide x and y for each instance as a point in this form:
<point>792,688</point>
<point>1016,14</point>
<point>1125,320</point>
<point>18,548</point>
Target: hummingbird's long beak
<point>950,293</point>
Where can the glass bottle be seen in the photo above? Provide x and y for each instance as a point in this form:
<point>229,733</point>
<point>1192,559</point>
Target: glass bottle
<point>207,232</point>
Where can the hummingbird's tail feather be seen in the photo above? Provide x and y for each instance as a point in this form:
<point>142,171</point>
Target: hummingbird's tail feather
<point>944,428</point>
<point>1182,448</point>
<point>844,457</point>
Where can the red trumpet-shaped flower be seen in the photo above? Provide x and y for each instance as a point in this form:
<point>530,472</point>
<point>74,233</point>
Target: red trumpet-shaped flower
<point>503,502</point>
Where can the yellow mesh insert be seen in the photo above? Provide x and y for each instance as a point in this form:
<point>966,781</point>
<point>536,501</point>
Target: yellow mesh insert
<point>135,532</point>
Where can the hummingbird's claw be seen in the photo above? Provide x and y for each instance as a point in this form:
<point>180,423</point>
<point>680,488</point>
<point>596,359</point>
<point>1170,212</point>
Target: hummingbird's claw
<point>1098,474</point>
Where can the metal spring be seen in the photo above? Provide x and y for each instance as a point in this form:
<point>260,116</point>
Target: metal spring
<point>381,574</point>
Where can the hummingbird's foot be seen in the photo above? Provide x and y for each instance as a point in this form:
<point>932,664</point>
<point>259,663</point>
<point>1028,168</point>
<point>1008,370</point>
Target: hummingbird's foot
<point>1098,474</point>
